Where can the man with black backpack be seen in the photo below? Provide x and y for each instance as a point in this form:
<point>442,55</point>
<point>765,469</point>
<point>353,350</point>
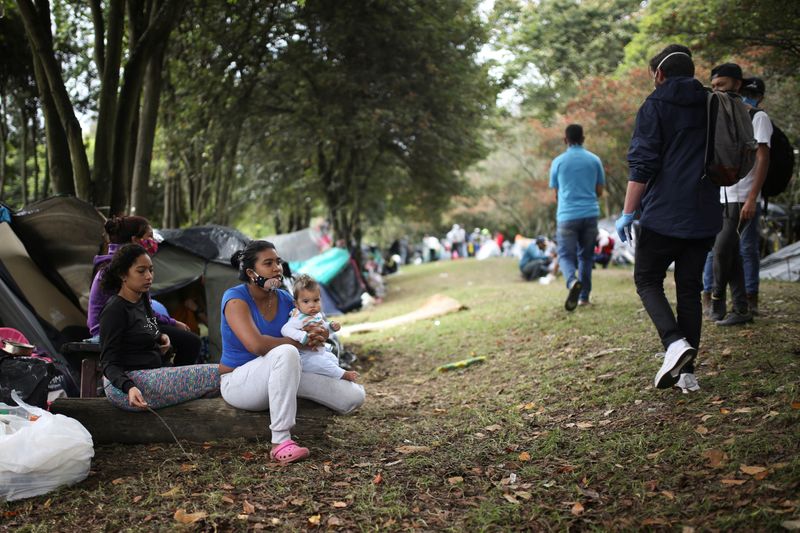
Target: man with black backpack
<point>680,211</point>
<point>740,213</point>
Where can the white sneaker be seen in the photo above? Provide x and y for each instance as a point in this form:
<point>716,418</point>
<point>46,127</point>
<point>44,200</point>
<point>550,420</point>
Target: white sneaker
<point>678,354</point>
<point>687,383</point>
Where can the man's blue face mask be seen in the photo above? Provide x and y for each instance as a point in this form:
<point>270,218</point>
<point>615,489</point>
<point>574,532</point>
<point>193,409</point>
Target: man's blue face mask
<point>750,101</point>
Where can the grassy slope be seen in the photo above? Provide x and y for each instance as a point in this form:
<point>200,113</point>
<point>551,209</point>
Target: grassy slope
<point>564,404</point>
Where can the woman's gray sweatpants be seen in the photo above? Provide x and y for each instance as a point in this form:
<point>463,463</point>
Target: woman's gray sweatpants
<point>275,381</point>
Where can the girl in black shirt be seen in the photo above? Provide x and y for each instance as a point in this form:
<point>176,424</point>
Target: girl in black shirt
<point>132,345</point>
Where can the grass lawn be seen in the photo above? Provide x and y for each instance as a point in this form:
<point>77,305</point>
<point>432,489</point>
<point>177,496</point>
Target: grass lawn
<point>560,427</point>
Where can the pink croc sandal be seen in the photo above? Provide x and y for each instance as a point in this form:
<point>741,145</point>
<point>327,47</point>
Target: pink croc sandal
<point>288,452</point>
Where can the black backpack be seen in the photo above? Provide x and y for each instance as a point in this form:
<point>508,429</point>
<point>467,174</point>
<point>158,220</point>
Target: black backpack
<point>781,161</point>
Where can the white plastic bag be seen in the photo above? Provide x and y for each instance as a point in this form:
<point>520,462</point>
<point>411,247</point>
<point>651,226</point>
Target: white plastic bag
<point>37,456</point>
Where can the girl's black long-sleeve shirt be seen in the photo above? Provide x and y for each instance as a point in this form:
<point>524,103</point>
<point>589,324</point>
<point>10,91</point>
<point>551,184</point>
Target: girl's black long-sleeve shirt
<point>128,340</point>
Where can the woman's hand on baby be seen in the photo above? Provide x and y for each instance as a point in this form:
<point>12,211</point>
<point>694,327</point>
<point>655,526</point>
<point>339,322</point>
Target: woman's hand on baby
<point>135,398</point>
<point>350,375</point>
<point>335,326</point>
<point>181,325</point>
<point>317,334</point>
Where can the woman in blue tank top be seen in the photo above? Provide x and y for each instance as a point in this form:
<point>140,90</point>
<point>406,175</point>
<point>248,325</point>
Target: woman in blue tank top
<point>260,369</point>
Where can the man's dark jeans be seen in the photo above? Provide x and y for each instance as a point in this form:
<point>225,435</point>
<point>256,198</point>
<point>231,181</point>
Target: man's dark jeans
<point>654,254</point>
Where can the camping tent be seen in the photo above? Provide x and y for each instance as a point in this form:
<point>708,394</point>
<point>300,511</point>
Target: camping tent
<point>199,255</point>
<point>297,246</point>
<point>337,273</point>
<point>62,235</point>
<point>782,265</point>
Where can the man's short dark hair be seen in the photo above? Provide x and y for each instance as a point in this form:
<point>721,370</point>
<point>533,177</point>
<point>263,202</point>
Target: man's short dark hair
<point>679,62</point>
<point>574,134</point>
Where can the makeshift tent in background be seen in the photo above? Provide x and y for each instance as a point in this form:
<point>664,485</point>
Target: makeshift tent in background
<point>338,276</point>
<point>62,235</point>
<point>782,265</point>
<point>297,246</point>
<point>199,255</point>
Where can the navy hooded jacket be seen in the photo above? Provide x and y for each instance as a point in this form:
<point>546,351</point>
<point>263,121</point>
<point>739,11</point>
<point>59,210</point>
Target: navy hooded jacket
<point>667,152</point>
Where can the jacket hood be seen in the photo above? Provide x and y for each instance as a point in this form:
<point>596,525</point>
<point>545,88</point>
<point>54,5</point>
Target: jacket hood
<point>684,91</point>
<point>100,259</point>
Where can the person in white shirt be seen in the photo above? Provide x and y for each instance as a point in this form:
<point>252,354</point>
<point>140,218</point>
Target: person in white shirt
<point>741,204</point>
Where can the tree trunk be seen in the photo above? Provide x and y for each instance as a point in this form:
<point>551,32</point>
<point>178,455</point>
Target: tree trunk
<point>108,63</point>
<point>148,119</point>
<point>35,146</point>
<point>37,27</point>
<point>23,150</point>
<point>128,103</point>
<point>196,421</point>
<point>3,137</point>
<point>58,164</point>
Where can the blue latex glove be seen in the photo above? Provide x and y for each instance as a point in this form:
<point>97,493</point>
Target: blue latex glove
<point>624,224</point>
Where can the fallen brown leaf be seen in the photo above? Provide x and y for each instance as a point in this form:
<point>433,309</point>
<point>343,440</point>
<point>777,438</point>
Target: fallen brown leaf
<point>715,457</point>
<point>248,508</point>
<point>702,430</point>
<point>655,455</point>
<point>118,481</point>
<point>227,499</point>
<point>189,518</point>
<point>791,525</point>
<point>405,450</point>
<point>377,479</point>
<point>796,405</point>
<point>724,411</point>
<point>137,499</point>
<point>525,495</point>
<point>248,456</point>
<point>584,425</point>
<point>524,456</point>
<point>511,498</point>
<point>340,505</point>
<point>752,470</point>
<point>743,410</point>
<point>298,501</point>
<point>733,481</point>
<point>314,519</point>
<point>577,509</point>
<point>455,480</point>
<point>668,494</point>
<point>333,522</point>
<point>493,427</point>
<point>171,493</point>
<point>654,522</point>
<point>188,467</point>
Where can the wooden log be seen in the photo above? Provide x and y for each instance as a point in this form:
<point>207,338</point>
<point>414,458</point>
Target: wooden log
<point>197,421</point>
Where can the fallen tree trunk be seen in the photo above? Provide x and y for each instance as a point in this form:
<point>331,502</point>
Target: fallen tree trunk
<point>197,421</point>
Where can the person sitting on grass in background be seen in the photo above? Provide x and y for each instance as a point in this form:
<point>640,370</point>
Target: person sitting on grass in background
<point>535,262</point>
<point>133,349</point>
<point>308,310</point>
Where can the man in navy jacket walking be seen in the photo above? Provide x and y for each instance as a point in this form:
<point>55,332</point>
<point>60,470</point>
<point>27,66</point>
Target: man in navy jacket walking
<point>680,209</point>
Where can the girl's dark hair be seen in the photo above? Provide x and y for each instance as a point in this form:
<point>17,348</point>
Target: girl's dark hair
<point>121,262</point>
<point>121,230</point>
<point>244,259</point>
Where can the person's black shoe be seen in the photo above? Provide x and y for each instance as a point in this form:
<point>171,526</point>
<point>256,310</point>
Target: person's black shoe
<point>572,296</point>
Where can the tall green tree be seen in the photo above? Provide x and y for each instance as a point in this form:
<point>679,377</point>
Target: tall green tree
<point>558,43</point>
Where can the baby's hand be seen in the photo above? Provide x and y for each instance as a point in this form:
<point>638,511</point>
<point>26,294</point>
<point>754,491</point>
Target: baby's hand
<point>350,375</point>
<point>335,326</point>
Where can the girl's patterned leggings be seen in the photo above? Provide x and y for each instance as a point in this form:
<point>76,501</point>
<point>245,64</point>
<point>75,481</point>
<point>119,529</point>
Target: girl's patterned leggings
<point>171,385</point>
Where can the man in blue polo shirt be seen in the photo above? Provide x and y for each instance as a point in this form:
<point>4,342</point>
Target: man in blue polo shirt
<point>577,176</point>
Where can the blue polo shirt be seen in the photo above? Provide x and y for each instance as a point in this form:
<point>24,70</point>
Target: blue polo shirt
<point>576,173</point>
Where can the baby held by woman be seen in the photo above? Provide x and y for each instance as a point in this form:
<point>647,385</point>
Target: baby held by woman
<point>308,309</point>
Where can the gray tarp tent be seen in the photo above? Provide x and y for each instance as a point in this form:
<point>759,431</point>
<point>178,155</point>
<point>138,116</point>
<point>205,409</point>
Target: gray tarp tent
<point>782,265</point>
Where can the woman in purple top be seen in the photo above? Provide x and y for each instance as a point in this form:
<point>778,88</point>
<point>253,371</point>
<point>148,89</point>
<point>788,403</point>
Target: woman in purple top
<point>137,230</point>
